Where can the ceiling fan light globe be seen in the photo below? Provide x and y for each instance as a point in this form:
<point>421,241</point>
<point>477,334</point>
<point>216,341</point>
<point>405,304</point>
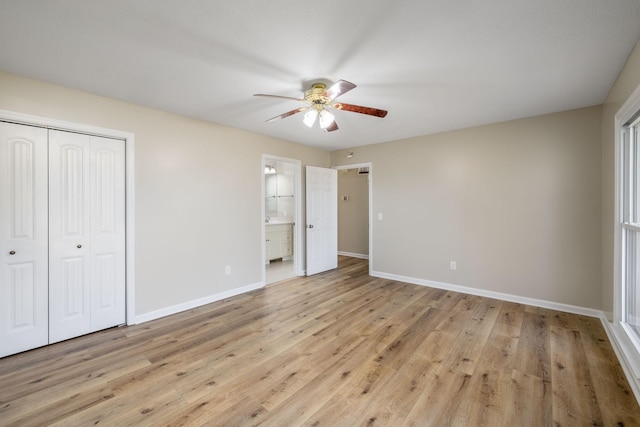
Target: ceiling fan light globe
<point>310,117</point>
<point>326,118</point>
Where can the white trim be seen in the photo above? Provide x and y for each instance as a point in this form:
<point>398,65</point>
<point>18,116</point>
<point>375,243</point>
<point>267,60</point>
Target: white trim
<point>624,114</point>
<point>591,312</point>
<point>352,166</point>
<point>632,336</point>
<point>129,141</point>
<point>188,305</point>
<point>130,220</point>
<point>353,255</point>
<point>632,227</point>
<point>621,342</point>
<point>623,347</point>
<point>630,107</point>
<point>49,123</point>
<point>370,182</point>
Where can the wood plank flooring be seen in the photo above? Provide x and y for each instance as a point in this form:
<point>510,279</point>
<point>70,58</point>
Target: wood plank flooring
<point>336,349</point>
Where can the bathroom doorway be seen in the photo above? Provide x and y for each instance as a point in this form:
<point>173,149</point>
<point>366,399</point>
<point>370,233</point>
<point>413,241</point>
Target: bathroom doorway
<point>281,211</point>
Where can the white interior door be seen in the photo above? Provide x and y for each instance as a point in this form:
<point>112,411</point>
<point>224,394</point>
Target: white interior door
<point>23,238</point>
<point>86,234</point>
<point>322,219</point>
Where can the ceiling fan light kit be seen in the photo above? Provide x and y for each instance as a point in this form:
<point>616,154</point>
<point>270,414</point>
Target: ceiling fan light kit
<point>326,118</point>
<point>318,100</point>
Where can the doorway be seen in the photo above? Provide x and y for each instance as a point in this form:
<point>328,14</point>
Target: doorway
<point>355,207</point>
<point>281,212</point>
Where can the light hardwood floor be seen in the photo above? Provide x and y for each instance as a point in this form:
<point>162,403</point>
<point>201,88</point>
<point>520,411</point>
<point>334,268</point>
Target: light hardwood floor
<point>337,349</point>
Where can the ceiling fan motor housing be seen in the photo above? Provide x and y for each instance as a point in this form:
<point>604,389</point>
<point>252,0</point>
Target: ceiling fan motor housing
<point>316,96</point>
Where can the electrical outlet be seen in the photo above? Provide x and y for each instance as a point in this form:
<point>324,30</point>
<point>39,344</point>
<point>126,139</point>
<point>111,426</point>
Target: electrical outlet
<point>452,265</point>
<point>227,270</point>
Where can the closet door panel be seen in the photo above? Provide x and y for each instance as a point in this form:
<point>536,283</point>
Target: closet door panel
<point>23,238</point>
<point>69,235</point>
<point>107,233</point>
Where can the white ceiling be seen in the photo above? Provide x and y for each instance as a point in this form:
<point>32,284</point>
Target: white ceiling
<point>435,65</point>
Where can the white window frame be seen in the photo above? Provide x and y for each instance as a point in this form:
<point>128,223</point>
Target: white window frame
<point>626,340</point>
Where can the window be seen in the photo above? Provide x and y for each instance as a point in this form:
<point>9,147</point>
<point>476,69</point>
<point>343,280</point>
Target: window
<point>630,228</point>
<point>626,325</point>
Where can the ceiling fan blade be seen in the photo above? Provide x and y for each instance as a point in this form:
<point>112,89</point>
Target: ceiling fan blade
<point>333,126</point>
<point>278,96</point>
<point>287,114</point>
<point>338,89</point>
<point>362,110</point>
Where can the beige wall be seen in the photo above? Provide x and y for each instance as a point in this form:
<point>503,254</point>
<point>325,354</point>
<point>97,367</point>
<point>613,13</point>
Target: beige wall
<point>515,204</point>
<point>524,207</point>
<point>627,82</point>
<point>197,190</point>
<point>353,214</point>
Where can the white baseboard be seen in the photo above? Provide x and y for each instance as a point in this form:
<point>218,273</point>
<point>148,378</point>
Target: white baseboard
<point>591,312</point>
<point>188,305</point>
<point>623,348</point>
<point>353,255</point>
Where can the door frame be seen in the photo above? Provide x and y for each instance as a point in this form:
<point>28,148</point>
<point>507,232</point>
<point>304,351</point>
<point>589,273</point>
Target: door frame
<point>298,240</point>
<point>370,184</point>
<point>129,143</point>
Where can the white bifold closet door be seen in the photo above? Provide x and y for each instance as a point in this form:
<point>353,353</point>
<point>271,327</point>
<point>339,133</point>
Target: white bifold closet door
<point>23,238</point>
<point>62,235</point>
<point>86,234</point>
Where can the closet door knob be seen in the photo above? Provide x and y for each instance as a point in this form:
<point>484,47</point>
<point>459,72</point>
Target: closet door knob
<point>12,253</point>
<point>79,246</point>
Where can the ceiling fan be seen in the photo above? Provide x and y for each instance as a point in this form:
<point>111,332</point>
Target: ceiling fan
<point>318,100</point>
